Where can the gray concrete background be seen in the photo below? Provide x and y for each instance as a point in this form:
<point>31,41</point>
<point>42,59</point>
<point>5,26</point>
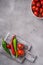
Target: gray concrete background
<point>16,16</point>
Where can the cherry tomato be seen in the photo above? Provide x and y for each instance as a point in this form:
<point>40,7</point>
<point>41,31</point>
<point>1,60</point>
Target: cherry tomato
<point>37,9</point>
<point>21,53</point>
<point>33,8</point>
<point>42,2</point>
<point>9,46</point>
<point>42,14</point>
<point>38,4</point>
<point>42,6</point>
<point>33,2</point>
<point>41,9</point>
<point>36,13</point>
<point>20,46</point>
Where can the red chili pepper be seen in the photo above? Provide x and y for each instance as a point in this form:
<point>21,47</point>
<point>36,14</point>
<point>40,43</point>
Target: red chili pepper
<point>12,48</point>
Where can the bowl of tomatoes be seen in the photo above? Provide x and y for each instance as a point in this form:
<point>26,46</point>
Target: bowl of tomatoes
<point>37,8</point>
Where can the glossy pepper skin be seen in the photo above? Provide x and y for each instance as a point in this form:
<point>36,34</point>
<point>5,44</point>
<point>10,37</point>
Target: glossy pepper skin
<point>4,47</point>
<point>12,48</point>
<point>15,46</point>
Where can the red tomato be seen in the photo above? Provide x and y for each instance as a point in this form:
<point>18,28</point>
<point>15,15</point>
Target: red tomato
<point>20,46</point>
<point>33,8</point>
<point>39,15</point>
<point>38,4</point>
<point>42,14</point>
<point>33,2</point>
<point>21,52</point>
<point>41,10</point>
<point>9,46</point>
<point>42,2</point>
<point>42,6</point>
<point>37,9</point>
<point>36,13</point>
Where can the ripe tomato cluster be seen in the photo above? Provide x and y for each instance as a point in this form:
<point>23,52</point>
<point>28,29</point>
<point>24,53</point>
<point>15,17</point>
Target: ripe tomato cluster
<point>37,8</point>
<point>20,48</point>
<point>21,51</point>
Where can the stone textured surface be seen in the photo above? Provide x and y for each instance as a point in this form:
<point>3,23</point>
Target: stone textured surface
<point>16,16</point>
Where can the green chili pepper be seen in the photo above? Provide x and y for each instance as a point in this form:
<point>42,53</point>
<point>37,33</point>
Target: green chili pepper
<point>15,46</point>
<point>4,46</point>
<point>16,54</point>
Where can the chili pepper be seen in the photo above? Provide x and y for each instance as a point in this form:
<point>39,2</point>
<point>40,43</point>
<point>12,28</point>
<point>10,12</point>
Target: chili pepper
<point>12,48</point>
<point>16,54</point>
<point>4,46</point>
<point>15,45</point>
